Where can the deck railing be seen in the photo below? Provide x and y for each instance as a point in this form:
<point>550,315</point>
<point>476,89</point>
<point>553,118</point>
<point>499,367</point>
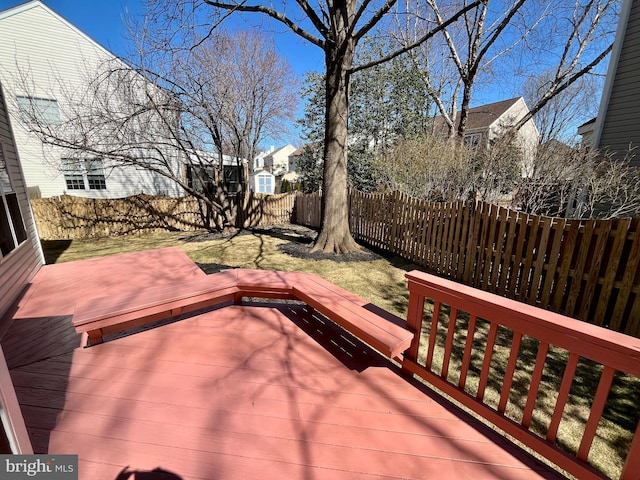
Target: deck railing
<point>469,339</point>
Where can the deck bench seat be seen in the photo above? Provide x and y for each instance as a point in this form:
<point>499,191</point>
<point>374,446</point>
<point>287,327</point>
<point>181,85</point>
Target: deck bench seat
<point>350,312</point>
<point>265,283</point>
<point>376,327</point>
<point>100,316</point>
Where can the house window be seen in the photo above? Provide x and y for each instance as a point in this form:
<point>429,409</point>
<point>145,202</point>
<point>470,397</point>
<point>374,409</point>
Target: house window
<point>472,140</point>
<point>264,184</point>
<point>83,174</point>
<point>233,179</point>
<point>34,110</point>
<point>12,231</point>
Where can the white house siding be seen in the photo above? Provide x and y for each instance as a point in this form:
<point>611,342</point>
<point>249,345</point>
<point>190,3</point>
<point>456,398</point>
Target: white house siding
<point>277,162</point>
<point>619,116</point>
<point>262,181</point>
<point>38,42</point>
<point>528,135</point>
<point>19,266</point>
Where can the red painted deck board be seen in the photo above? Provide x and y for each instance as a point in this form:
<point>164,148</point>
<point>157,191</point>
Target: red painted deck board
<point>244,392</point>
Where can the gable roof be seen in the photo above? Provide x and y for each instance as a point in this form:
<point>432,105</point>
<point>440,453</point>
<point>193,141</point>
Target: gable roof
<point>24,7</point>
<point>479,118</point>
<point>278,150</point>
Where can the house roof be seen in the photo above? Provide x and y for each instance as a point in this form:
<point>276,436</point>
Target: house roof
<point>593,120</point>
<point>271,154</point>
<point>299,151</point>
<point>480,117</point>
<point>23,7</point>
<point>304,148</point>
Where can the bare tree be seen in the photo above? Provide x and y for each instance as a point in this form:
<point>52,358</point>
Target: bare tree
<point>336,27</point>
<point>578,182</point>
<point>181,110</point>
<point>559,118</point>
<point>504,42</point>
<point>576,39</point>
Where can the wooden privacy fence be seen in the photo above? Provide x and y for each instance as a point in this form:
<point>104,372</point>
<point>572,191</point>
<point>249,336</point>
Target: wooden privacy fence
<point>585,269</point>
<point>68,218</point>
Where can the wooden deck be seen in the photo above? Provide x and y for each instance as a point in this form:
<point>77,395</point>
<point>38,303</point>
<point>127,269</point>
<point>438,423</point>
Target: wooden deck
<point>267,391</point>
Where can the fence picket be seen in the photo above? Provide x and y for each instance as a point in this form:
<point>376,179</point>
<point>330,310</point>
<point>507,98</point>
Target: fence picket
<point>583,251</point>
<point>537,267</point>
<point>612,263</point>
<point>628,277</point>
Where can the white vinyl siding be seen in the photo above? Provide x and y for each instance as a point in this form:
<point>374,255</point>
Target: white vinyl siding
<point>58,59</point>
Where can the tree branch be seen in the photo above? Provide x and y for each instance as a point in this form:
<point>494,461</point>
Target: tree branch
<point>373,20</point>
<point>557,86</point>
<point>313,16</point>
<point>420,41</point>
<point>295,28</point>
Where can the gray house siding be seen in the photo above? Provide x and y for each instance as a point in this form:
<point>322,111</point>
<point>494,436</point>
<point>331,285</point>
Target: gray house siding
<point>18,266</point>
<point>620,122</point>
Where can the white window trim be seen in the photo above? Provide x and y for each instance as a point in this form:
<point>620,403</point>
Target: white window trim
<point>267,184</point>
<point>82,170</point>
<point>5,206</point>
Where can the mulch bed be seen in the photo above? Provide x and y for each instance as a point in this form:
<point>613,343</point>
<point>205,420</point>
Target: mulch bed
<point>303,250</point>
<point>299,242</point>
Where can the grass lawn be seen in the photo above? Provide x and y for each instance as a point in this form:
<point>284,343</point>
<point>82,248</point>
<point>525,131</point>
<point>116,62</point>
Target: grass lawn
<point>381,281</point>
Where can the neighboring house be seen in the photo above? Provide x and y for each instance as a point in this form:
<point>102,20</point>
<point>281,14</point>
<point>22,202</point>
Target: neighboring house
<point>20,259</point>
<point>487,122</point>
<point>616,129</point>
<point>586,131</point>
<point>42,59</point>
<point>277,161</point>
<point>271,167</point>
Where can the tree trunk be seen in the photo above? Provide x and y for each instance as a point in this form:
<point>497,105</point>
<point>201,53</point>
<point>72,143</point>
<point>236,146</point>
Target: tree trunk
<point>464,111</point>
<point>335,236</point>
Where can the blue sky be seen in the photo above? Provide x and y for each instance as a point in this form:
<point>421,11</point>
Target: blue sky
<point>103,21</point>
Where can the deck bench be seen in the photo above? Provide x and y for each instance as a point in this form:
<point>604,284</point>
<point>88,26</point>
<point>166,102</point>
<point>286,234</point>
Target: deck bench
<point>100,316</point>
<point>381,330</point>
<point>350,312</point>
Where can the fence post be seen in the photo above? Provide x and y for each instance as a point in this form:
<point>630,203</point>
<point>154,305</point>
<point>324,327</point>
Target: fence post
<point>395,219</point>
